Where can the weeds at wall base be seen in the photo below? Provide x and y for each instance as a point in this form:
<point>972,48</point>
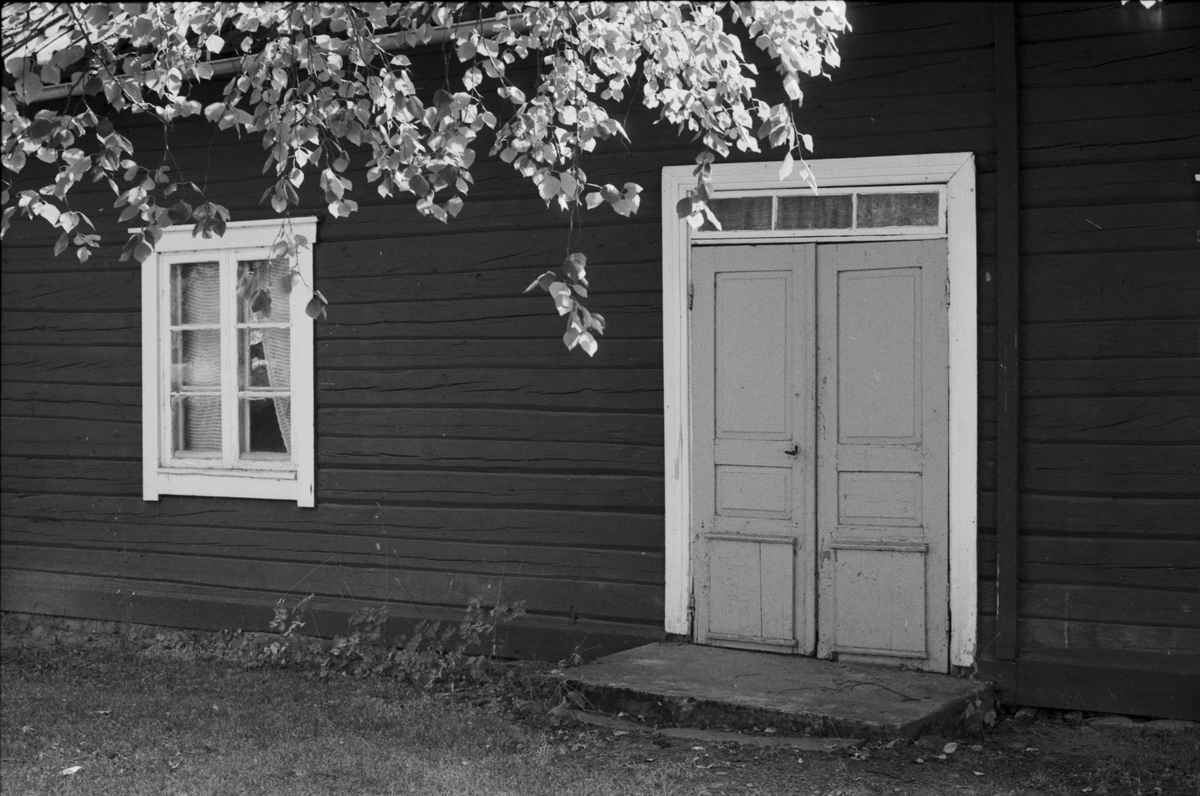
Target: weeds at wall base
<point>434,656</point>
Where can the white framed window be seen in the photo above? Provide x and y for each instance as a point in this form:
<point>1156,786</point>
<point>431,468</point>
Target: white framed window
<point>227,365</point>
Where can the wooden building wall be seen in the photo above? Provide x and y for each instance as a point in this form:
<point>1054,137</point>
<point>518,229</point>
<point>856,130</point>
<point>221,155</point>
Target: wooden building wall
<point>462,451</point>
<point>1108,572</point>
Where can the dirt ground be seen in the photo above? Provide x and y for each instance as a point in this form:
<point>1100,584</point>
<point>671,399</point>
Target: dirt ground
<point>1036,752</point>
<point>1028,753</point>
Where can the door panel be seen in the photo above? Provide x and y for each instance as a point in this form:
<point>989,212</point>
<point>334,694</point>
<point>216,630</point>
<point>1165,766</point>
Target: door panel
<point>751,326</point>
<point>878,354</point>
<point>879,600</point>
<point>754,491</point>
<point>882,452</point>
<point>751,584</point>
<point>753,543</point>
<point>879,498</point>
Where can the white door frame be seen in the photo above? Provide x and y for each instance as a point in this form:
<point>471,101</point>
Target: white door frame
<point>955,171</point>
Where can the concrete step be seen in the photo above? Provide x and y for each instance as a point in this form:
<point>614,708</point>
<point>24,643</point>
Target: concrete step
<point>693,686</point>
<point>813,745</point>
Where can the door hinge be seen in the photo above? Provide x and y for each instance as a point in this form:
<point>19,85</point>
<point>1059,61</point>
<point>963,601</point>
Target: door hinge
<point>691,612</point>
<point>691,294</point>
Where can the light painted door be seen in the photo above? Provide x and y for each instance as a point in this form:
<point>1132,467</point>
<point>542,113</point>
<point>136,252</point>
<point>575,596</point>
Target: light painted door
<point>882,452</point>
<point>819,434</point>
<point>753,544</point>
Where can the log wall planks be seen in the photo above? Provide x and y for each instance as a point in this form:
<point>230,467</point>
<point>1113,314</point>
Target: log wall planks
<point>462,451</point>
<point>1109,548</point>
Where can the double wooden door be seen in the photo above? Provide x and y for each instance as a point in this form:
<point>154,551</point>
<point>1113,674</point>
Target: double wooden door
<point>820,400</point>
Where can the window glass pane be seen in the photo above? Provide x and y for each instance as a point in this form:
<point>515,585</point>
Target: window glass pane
<point>195,293</point>
<point>263,291</point>
<point>815,212</point>
<point>195,359</point>
<point>196,425</point>
<point>264,359</point>
<point>266,427</point>
<point>897,209</point>
<point>743,212</point>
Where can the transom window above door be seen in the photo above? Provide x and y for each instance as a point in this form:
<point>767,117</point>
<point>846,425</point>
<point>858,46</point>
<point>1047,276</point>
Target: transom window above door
<point>227,366</point>
<point>892,211</point>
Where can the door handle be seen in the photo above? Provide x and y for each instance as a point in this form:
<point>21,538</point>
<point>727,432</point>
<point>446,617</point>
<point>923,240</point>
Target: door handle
<point>795,449</point>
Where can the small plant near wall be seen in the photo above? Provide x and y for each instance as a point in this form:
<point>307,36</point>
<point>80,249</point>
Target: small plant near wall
<point>286,646</point>
<point>357,652</point>
<point>435,655</point>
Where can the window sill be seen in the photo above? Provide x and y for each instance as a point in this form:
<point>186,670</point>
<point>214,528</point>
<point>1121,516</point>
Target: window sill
<point>254,484</point>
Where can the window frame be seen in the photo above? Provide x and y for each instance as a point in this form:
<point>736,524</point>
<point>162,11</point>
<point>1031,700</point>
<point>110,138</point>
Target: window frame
<point>254,478</point>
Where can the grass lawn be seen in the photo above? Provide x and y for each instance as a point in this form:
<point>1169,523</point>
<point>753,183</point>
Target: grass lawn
<point>137,718</point>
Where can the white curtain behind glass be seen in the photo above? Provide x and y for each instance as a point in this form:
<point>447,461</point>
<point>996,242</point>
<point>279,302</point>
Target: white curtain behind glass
<point>201,303</point>
<point>277,344</point>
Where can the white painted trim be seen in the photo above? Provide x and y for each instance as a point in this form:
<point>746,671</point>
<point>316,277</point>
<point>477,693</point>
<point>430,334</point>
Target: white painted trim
<point>677,402</point>
<point>961,296</point>
<point>263,479</point>
<point>238,235</point>
<point>150,379</point>
<point>956,170</point>
<point>304,434</point>
<point>222,483</point>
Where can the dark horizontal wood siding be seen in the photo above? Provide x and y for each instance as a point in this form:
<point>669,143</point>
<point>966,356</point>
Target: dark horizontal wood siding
<point>462,452</point>
<point>1109,510</point>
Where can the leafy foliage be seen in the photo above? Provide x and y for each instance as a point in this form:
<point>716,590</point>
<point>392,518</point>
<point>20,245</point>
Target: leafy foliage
<point>434,655</point>
<point>288,648</point>
<point>324,84</point>
<point>581,323</point>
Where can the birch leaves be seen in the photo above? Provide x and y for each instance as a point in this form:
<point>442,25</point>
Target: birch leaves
<point>566,293</point>
<point>331,93</point>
